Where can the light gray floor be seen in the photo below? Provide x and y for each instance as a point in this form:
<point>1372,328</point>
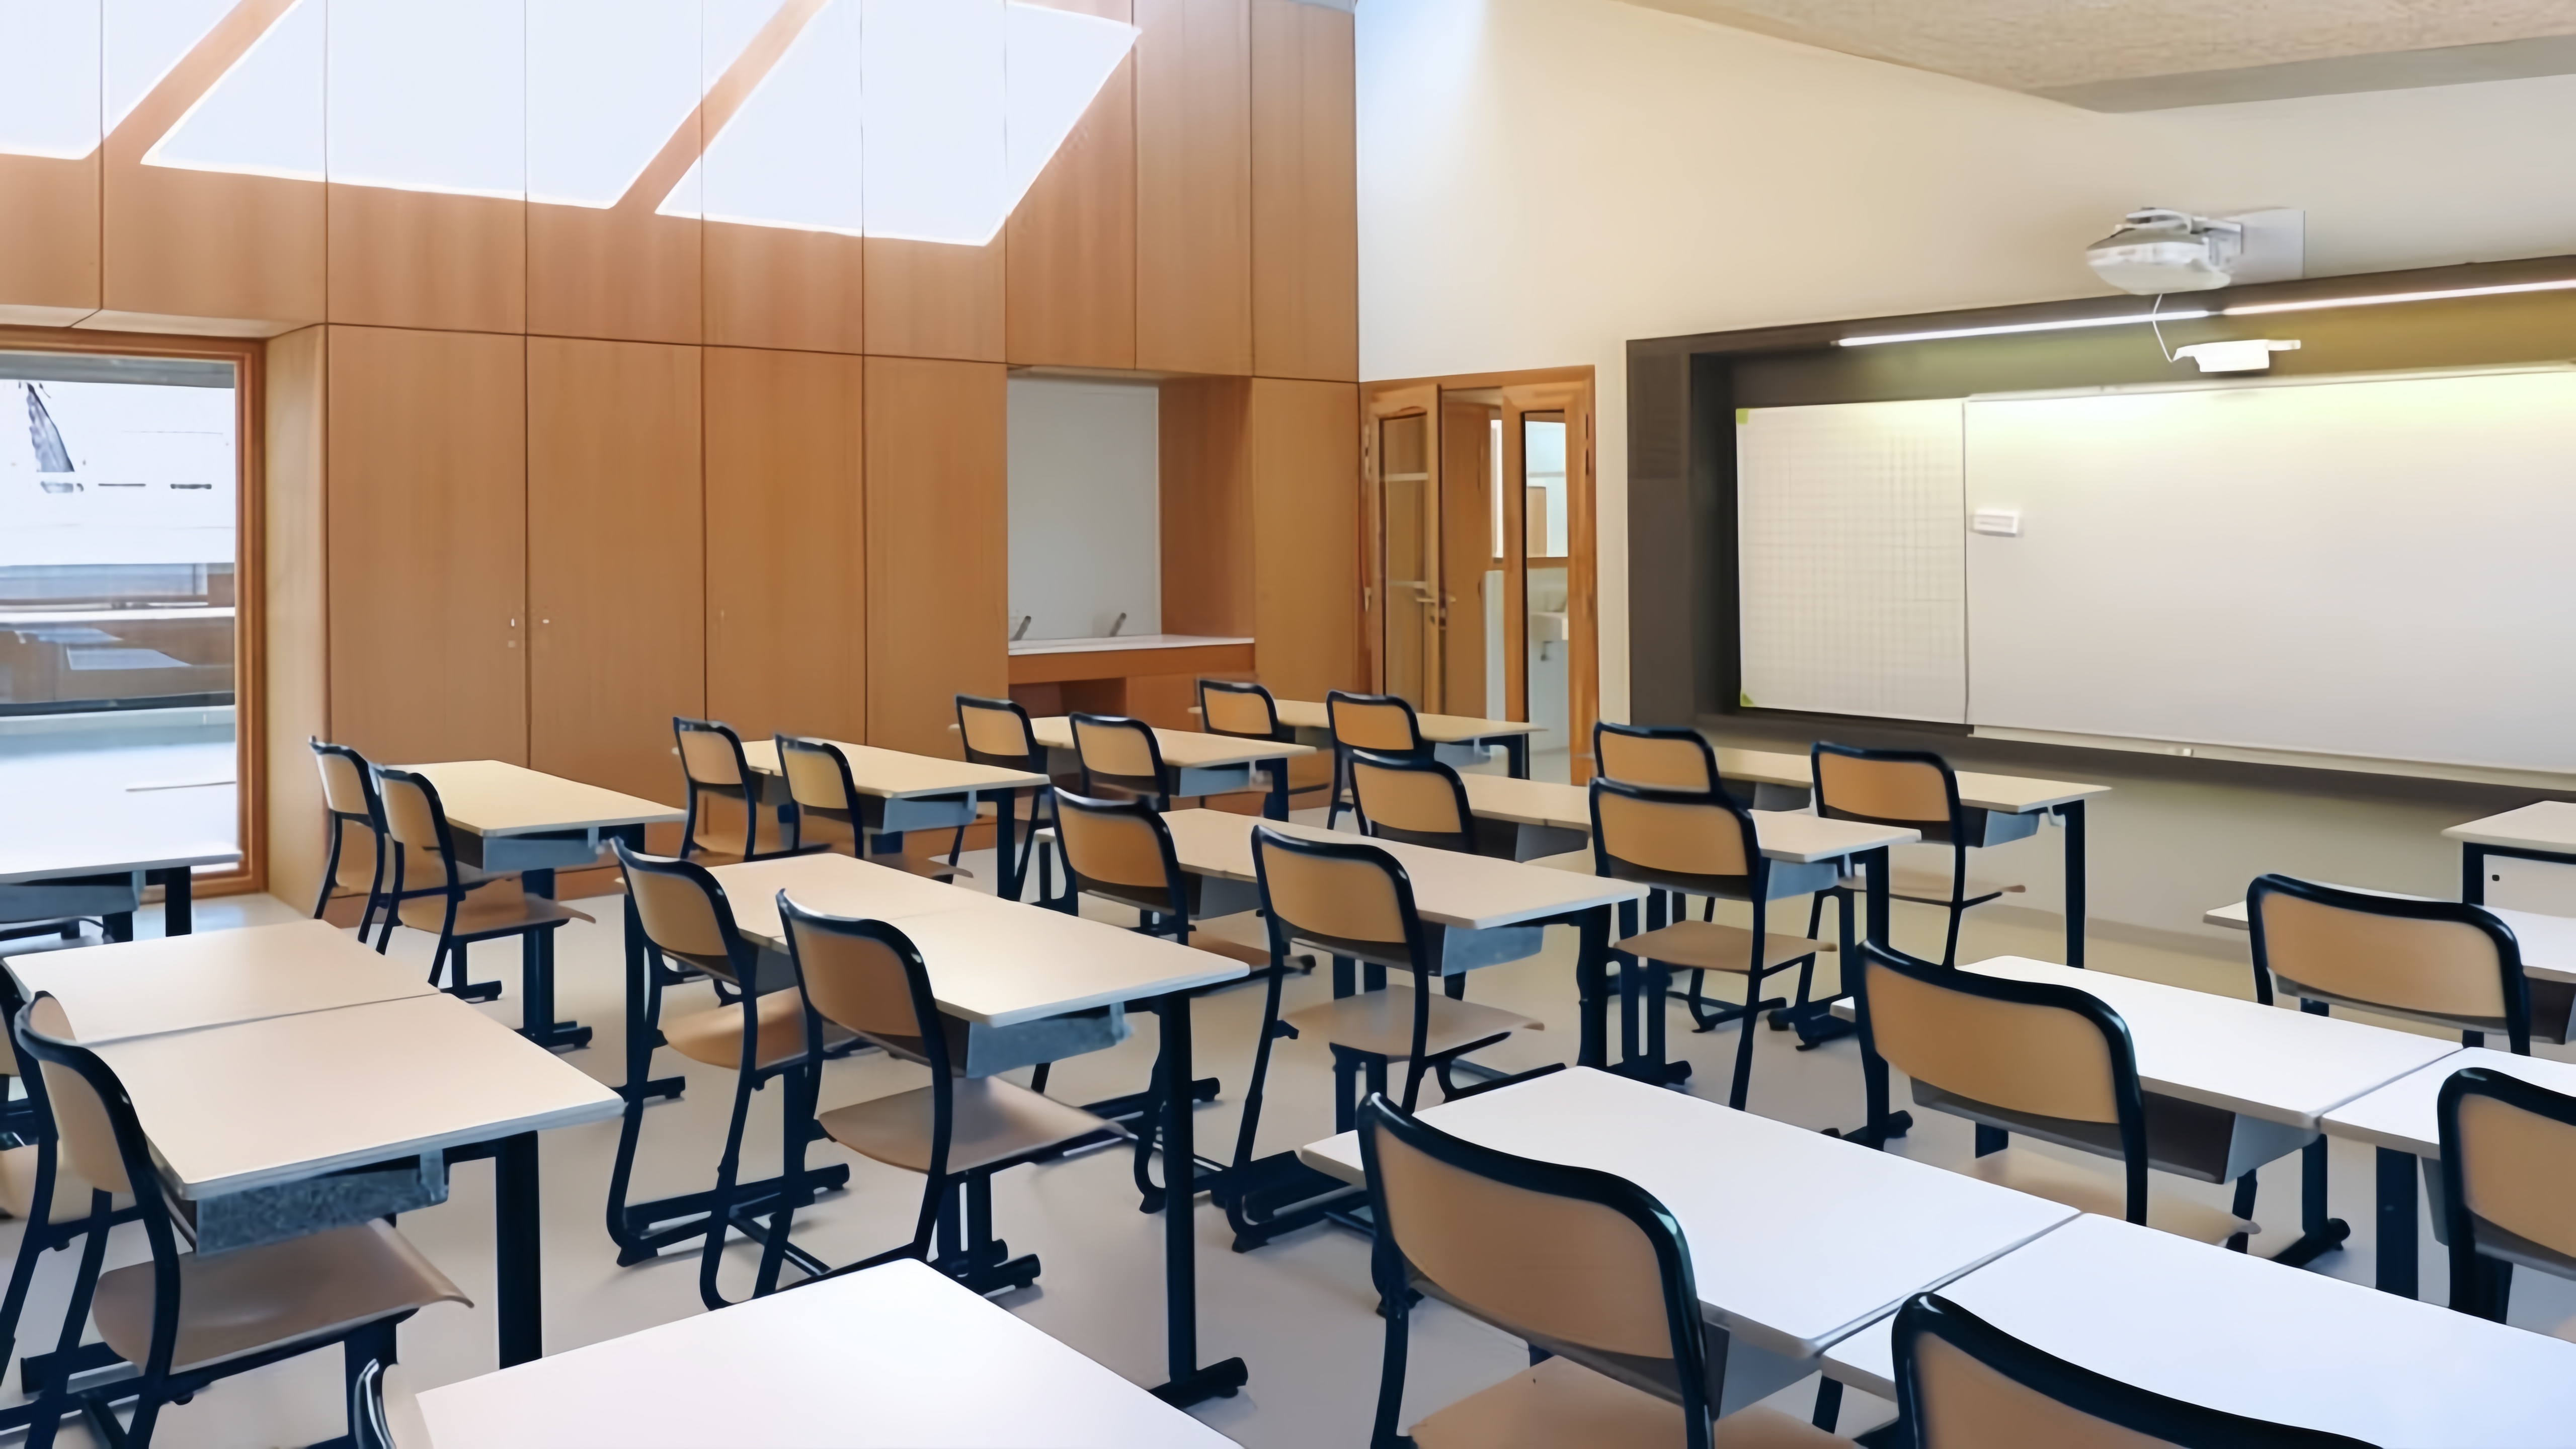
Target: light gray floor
<point>1300,1312</point>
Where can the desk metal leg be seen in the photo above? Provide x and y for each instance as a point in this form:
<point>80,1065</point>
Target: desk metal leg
<point>1276,807</point>
<point>1189,1383</point>
<point>1591,985</point>
<point>178,899</point>
<point>1883,1124</point>
<point>2473,878</point>
<point>1006,834</point>
<point>537,979</point>
<point>2398,1243</point>
<point>2071,815</point>
<point>2318,1233</point>
<point>520,1283</point>
<point>1516,752</point>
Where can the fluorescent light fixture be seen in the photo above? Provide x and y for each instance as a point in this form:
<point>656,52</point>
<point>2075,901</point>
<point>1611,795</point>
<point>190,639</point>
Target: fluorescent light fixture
<point>50,105</point>
<point>263,117</point>
<point>2258,309</point>
<point>429,98</point>
<point>2125,319</point>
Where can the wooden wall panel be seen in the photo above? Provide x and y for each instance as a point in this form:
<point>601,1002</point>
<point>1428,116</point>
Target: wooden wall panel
<point>938,575</point>
<point>428,544</point>
<point>1305,193</point>
<point>244,250</point>
<point>786,544</point>
<point>421,259</point>
<point>49,247</point>
<point>929,299</point>
<point>616,560</point>
<point>624,273</point>
<point>295,677</point>
<point>767,286</point>
<point>1304,444</point>
<point>1194,186</point>
<point>1206,499</point>
<point>1071,294</point>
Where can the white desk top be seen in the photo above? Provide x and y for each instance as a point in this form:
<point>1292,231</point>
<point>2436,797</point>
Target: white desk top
<point>1438,729</point>
<point>35,856</point>
<point>897,1357</point>
<point>1797,1239</point>
<point>2548,942</point>
<point>895,775</point>
<point>1785,834</point>
<point>2271,1062</point>
<point>1114,642</point>
<point>2400,1117</point>
<point>2011,794</point>
<point>213,978</point>
<point>993,961</point>
<point>491,798</point>
<point>2242,1334</point>
<point>1450,887</point>
<point>2543,825</point>
<point>1182,749</point>
<point>289,1097</point>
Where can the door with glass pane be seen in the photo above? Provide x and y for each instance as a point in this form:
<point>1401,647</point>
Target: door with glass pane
<point>1404,604</point>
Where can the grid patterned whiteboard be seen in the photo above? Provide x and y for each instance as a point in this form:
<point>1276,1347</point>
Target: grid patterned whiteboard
<point>1852,575</point>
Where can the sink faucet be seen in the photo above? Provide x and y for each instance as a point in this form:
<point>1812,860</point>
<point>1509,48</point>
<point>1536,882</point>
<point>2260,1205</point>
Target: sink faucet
<point>1121,624</point>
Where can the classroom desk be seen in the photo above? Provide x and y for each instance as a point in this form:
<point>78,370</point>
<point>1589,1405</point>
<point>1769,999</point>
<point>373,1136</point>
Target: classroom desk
<point>2398,1121</point>
<point>2548,942</point>
<point>1203,764</point>
<point>2277,1071</point>
<point>1313,717</point>
<point>2002,794</point>
<point>144,988</point>
<point>41,880</point>
<point>282,1100</point>
<point>2543,830</point>
<point>905,792</point>
<point>897,1357</point>
<point>1796,1240</point>
<point>510,818</point>
<point>1003,963</point>
<point>2239,1334</point>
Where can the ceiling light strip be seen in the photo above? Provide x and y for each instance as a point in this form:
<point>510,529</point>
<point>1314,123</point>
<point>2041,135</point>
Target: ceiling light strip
<point>2249,309</point>
<point>2256,309</point>
<point>2123,320</point>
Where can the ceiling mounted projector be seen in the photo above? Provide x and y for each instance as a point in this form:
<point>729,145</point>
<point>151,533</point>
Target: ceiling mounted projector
<point>2157,250</point>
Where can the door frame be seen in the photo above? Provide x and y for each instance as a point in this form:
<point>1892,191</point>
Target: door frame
<point>1543,389</point>
<point>249,356</point>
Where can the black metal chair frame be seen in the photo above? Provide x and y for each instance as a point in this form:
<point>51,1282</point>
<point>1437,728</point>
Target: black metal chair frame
<point>1475,839</point>
<point>1342,753</point>
<point>1268,1197</point>
<point>792,825</point>
<point>2126,1093</point>
<point>1696,1346</point>
<point>1278,734</point>
<point>2143,1411</point>
<point>536,938</point>
<point>339,820</point>
<point>1656,979</point>
<point>156,1383</point>
<point>2482,1285</point>
<point>1959,832</point>
<point>1040,798</point>
<point>1708,752</point>
<point>1159,789</point>
<point>729,1207</point>
<point>2516,986</point>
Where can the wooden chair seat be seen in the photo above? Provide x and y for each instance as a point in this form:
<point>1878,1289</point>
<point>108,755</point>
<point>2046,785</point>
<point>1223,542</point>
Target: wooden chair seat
<point>1560,1404</point>
<point>1381,1023</point>
<point>498,909</point>
<point>996,1121</point>
<point>714,1036</point>
<point>1709,946</point>
<point>2040,1175</point>
<point>249,1299</point>
<point>18,1188</point>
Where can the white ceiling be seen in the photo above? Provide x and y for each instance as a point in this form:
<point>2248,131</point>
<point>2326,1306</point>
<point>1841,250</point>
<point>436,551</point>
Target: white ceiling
<point>2133,55</point>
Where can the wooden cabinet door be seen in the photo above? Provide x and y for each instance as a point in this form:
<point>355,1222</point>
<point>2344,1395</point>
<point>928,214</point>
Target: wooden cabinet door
<point>616,560</point>
<point>427,540</point>
<point>938,547</point>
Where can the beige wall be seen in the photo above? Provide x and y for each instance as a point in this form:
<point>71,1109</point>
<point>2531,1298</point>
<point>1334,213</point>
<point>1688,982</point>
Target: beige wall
<point>1542,180</point>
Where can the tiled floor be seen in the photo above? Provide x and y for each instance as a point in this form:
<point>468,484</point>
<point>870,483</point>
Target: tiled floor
<point>1299,1312</point>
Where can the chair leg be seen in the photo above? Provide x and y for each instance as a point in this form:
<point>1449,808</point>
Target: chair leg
<point>720,1206</point>
<point>331,874</point>
<point>2243,1208</point>
<point>1950,947</point>
<point>1270,1024</point>
<point>1390,1381</point>
<point>1743,1083</point>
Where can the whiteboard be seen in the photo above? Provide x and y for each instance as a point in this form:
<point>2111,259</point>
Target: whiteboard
<point>1848,553</point>
<point>2382,568</point>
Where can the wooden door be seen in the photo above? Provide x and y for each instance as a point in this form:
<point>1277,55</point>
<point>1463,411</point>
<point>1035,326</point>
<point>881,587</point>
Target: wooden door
<point>427,538</point>
<point>1401,595</point>
<point>616,560</point>
<point>1471,553</point>
<point>1551,578</point>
